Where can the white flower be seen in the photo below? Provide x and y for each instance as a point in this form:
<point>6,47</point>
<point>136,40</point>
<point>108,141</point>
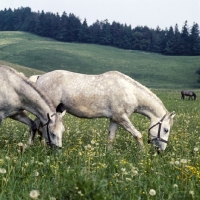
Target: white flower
<point>134,172</point>
<point>36,173</point>
<point>176,162</point>
<point>80,193</point>
<point>152,192</point>
<point>34,194</point>
<point>191,192</point>
<point>184,161</point>
<point>2,170</point>
<point>171,162</point>
<point>175,186</point>
<point>196,149</point>
<point>20,144</point>
<point>92,142</point>
<point>123,169</point>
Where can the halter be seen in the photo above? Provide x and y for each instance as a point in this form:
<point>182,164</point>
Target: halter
<point>48,135</point>
<point>158,138</point>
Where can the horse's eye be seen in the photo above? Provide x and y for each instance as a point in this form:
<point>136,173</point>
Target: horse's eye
<point>53,135</point>
<point>166,130</point>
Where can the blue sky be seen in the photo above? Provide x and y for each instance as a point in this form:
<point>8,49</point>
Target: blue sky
<point>151,13</point>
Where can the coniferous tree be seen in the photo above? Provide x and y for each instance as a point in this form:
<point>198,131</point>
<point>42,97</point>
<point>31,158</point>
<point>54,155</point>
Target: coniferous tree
<point>185,42</point>
<point>195,40</point>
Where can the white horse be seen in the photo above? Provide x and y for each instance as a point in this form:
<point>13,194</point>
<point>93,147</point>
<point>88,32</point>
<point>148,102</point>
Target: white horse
<point>112,95</point>
<point>17,94</point>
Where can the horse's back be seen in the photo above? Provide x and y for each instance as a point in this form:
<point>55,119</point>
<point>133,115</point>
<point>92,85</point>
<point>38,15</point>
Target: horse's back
<point>89,95</point>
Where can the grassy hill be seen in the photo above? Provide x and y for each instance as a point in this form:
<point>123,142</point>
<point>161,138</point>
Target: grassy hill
<point>152,70</point>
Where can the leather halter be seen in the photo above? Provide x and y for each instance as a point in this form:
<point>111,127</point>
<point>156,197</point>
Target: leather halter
<point>158,138</point>
<point>47,124</point>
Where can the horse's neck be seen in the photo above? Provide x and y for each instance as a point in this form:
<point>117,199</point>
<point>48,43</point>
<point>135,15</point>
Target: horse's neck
<point>151,106</point>
<point>36,103</point>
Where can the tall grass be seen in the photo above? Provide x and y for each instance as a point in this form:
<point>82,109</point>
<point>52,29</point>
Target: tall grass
<point>152,70</point>
<point>85,170</point>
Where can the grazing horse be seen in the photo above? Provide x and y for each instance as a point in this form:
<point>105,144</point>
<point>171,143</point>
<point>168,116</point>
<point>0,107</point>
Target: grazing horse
<point>17,94</point>
<point>188,93</point>
<point>112,95</point>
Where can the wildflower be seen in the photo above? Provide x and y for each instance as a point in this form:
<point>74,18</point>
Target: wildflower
<point>2,170</point>
<point>36,174</point>
<point>191,192</point>
<point>175,186</point>
<point>171,162</point>
<point>34,194</point>
<point>123,169</point>
<point>92,142</point>
<point>7,158</point>
<point>152,192</point>
<point>184,161</point>
<point>128,179</point>
<point>80,193</point>
<point>196,149</point>
<point>20,144</point>
<point>176,162</point>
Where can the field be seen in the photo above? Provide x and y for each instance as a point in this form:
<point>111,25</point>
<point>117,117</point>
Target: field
<point>152,70</point>
<point>83,169</point>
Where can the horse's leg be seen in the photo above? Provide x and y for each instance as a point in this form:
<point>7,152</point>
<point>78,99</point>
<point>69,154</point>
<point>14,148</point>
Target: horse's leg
<point>111,134</point>
<point>22,117</point>
<point>125,122</point>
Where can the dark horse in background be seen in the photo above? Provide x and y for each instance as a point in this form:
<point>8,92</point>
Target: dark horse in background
<point>189,93</point>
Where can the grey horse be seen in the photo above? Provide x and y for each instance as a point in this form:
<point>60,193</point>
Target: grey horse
<point>17,94</point>
<point>112,95</point>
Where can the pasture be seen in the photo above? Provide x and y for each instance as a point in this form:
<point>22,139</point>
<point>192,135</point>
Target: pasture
<point>152,70</point>
<point>83,169</point>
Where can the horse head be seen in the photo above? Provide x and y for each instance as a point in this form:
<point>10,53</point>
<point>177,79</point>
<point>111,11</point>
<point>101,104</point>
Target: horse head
<point>52,131</point>
<point>159,131</point>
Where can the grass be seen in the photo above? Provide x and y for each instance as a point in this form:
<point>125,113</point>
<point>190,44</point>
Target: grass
<point>152,70</point>
<point>85,170</point>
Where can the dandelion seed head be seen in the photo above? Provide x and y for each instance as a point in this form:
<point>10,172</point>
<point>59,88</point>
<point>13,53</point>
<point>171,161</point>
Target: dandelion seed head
<point>184,161</point>
<point>152,192</point>
<point>20,144</point>
<point>191,192</point>
<point>123,169</point>
<point>2,170</point>
<point>34,194</point>
<point>176,162</point>
<point>175,186</point>
<point>36,174</point>
<point>196,149</point>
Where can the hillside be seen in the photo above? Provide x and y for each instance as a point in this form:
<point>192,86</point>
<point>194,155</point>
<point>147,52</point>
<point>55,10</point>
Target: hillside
<point>152,70</point>
<point>26,70</point>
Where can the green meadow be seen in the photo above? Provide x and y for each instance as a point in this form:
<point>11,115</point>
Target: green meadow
<point>83,169</point>
<point>152,70</point>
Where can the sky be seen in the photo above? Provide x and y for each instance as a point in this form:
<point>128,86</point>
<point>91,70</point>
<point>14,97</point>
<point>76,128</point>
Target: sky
<point>151,13</point>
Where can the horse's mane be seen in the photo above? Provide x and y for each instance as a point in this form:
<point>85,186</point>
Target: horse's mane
<point>31,84</point>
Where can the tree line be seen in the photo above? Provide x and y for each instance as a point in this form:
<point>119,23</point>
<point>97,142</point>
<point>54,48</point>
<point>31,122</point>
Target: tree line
<point>69,28</point>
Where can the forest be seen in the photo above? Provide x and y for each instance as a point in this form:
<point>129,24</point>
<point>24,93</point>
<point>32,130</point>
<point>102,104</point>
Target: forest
<point>69,28</point>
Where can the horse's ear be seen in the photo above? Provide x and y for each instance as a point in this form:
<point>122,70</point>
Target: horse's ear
<point>172,115</point>
<point>62,114</point>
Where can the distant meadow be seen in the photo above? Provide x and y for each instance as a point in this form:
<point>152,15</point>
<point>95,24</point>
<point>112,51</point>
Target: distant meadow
<point>83,169</point>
